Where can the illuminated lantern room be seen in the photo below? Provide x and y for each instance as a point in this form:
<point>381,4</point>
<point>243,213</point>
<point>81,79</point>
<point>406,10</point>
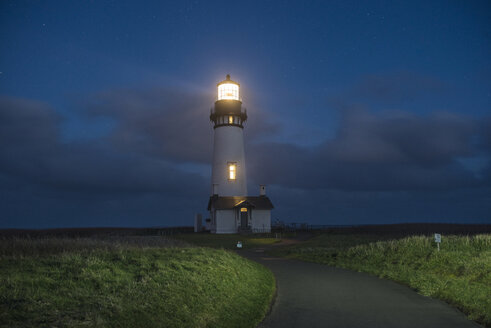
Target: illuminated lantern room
<point>228,109</point>
<point>228,89</point>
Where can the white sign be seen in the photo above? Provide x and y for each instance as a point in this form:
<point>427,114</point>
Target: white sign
<point>438,238</point>
<point>239,244</point>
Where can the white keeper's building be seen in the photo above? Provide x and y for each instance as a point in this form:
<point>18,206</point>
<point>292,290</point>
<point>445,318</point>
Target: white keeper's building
<point>231,209</point>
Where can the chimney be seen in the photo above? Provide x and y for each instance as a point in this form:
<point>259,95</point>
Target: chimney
<point>215,189</point>
<point>262,190</point>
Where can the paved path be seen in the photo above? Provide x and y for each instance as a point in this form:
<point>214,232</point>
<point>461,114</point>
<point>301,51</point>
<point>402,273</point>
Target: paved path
<point>314,295</point>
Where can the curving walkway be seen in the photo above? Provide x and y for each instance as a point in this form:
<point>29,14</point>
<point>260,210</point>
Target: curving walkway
<point>314,295</point>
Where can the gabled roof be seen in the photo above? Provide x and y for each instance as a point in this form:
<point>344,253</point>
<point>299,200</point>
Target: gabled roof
<point>229,202</point>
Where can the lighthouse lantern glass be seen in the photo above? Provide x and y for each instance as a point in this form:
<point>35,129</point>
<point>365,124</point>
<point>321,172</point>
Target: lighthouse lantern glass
<point>228,91</point>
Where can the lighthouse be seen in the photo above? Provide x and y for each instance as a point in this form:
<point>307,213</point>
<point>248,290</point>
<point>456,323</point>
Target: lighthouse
<point>228,174</point>
<point>231,209</point>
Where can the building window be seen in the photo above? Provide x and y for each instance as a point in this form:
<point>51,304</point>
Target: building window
<point>232,170</point>
<point>243,209</point>
<point>230,120</point>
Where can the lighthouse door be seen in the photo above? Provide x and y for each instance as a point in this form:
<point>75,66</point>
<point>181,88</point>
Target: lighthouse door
<point>243,218</point>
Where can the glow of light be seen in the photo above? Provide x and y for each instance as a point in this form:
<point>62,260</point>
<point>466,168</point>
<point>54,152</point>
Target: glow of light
<point>243,209</point>
<point>228,91</point>
<point>230,120</point>
<point>232,170</point>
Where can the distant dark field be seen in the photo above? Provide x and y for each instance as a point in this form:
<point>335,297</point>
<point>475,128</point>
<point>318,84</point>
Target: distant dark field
<point>403,229</point>
<point>93,232</point>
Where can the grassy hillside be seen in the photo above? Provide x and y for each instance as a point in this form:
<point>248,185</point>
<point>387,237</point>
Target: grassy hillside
<point>129,282</point>
<point>459,274</point>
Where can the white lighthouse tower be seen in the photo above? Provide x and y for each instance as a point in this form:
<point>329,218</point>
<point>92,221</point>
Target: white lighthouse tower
<point>228,175</point>
<point>231,209</point>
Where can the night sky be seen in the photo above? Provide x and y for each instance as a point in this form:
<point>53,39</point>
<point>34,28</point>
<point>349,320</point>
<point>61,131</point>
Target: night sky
<point>360,112</point>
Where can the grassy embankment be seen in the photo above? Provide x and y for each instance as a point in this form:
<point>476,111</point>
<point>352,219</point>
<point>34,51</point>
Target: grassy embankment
<point>459,274</point>
<point>129,282</point>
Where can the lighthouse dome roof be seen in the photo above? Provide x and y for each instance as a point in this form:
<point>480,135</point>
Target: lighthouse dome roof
<point>227,81</point>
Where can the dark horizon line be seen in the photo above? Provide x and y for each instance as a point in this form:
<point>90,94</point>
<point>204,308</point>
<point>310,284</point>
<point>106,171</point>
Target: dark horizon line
<point>298,224</point>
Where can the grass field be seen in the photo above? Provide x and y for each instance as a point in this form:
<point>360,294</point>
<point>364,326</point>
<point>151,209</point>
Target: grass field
<point>459,274</point>
<point>226,241</point>
<point>128,282</point>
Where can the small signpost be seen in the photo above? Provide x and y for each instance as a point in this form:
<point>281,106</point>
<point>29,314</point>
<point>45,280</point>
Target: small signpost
<point>438,240</point>
<point>239,244</point>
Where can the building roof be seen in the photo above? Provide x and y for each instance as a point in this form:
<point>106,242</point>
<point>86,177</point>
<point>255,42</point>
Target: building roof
<point>227,80</point>
<point>230,202</point>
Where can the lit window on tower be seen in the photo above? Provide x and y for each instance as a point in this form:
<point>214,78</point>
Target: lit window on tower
<point>243,209</point>
<point>232,171</point>
<point>228,91</point>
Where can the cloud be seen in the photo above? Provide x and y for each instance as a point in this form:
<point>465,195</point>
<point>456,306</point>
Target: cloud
<point>164,123</point>
<point>159,123</point>
<point>402,137</point>
<point>156,132</point>
<point>32,150</point>
<point>159,130</point>
<point>485,134</point>
<point>134,174</point>
<point>28,134</point>
<point>139,166</point>
<point>368,207</point>
<point>378,152</point>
